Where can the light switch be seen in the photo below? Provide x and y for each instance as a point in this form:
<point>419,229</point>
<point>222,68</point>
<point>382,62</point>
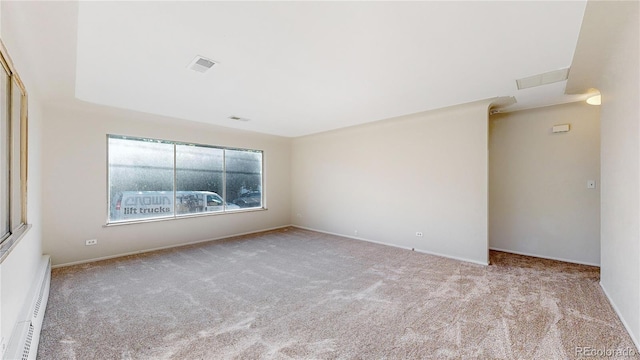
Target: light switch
<point>591,184</point>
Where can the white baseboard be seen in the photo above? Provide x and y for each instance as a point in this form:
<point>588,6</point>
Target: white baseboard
<point>166,247</point>
<point>545,257</point>
<point>394,245</point>
<point>624,323</point>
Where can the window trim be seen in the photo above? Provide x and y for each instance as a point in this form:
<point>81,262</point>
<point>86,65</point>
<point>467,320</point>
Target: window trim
<point>16,233</point>
<point>175,143</point>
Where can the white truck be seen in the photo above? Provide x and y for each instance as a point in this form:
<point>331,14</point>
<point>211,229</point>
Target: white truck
<point>134,205</point>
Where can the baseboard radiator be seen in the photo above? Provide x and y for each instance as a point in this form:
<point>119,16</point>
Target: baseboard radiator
<point>23,344</point>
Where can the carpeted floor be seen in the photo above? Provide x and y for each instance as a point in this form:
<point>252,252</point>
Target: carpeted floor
<point>304,295</point>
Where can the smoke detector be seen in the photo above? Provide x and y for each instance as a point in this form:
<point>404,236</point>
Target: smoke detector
<point>201,64</point>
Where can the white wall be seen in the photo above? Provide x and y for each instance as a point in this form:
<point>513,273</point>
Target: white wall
<point>19,269</point>
<point>606,58</point>
<point>620,117</point>
<point>388,180</point>
<point>539,203</point>
<point>75,183</point>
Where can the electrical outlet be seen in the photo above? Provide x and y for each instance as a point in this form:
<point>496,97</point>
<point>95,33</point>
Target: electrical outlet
<point>91,242</point>
<point>419,234</point>
<point>355,233</point>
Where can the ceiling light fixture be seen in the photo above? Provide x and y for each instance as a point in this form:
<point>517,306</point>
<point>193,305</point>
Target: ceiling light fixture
<point>201,64</point>
<point>594,100</point>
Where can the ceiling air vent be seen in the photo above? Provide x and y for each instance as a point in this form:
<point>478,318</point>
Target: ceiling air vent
<point>237,118</point>
<point>201,64</point>
<point>543,79</point>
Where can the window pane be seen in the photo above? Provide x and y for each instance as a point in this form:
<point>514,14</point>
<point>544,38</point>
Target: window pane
<point>16,184</point>
<point>4,154</point>
<point>244,178</point>
<point>198,179</point>
<point>161,179</point>
<point>140,178</point>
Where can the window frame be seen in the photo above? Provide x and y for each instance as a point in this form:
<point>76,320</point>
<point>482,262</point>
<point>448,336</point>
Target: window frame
<point>175,215</point>
<point>17,155</point>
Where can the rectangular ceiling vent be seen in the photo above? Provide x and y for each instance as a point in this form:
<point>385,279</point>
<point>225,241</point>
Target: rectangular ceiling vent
<point>543,79</point>
<point>237,118</point>
<point>201,64</point>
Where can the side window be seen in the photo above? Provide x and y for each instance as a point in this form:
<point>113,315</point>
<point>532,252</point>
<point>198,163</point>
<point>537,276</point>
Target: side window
<point>213,200</point>
<point>13,154</point>
<point>5,159</point>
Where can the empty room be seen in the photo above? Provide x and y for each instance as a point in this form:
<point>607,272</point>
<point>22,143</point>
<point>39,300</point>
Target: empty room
<point>320,180</point>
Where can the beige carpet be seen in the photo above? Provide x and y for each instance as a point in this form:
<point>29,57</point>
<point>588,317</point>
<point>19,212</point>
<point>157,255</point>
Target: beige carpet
<point>304,295</point>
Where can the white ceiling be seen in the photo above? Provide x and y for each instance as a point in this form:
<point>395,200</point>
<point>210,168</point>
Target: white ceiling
<point>296,68</point>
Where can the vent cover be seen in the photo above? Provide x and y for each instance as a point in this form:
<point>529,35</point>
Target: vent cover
<point>201,64</point>
<point>543,79</point>
<point>237,118</point>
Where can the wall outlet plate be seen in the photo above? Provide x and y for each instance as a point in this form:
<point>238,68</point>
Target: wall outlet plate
<point>91,242</point>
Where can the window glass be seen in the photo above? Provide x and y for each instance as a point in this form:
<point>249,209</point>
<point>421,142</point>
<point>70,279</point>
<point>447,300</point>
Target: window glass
<point>16,160</point>
<point>162,179</point>
<point>4,154</point>
<point>199,177</point>
<point>214,200</point>
<point>244,178</point>
<point>13,155</point>
<point>140,178</point>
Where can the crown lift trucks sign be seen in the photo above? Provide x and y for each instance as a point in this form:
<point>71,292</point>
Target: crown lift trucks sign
<point>131,205</point>
<point>147,204</point>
